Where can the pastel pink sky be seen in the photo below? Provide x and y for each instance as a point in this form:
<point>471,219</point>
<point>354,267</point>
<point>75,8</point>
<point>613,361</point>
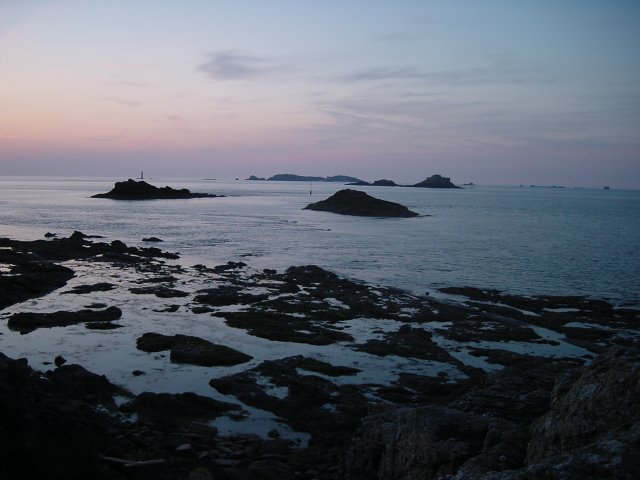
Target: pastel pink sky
<point>497,93</point>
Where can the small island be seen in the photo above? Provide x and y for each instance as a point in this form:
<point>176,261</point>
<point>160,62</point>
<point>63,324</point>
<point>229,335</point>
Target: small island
<point>354,202</point>
<point>132,190</point>
<point>289,177</point>
<point>436,181</point>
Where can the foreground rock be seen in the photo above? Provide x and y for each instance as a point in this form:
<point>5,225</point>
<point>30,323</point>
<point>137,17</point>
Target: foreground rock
<point>585,424</point>
<point>192,350</point>
<point>354,202</point>
<point>132,190</point>
<point>25,322</point>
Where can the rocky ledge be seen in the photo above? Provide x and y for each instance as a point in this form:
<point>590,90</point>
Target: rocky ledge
<point>489,386</point>
<point>132,190</point>
<point>354,202</point>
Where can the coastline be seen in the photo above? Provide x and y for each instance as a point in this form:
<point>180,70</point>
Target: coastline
<point>405,350</point>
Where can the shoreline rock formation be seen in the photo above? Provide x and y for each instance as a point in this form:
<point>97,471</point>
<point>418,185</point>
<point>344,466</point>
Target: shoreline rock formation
<point>132,190</point>
<point>534,414</point>
<point>354,202</point>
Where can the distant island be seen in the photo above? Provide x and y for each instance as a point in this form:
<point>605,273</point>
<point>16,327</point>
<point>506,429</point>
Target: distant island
<point>290,177</point>
<point>354,202</point>
<point>132,190</point>
<point>434,181</point>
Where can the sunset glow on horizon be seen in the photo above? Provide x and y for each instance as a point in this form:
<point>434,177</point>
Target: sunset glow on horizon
<point>495,93</point>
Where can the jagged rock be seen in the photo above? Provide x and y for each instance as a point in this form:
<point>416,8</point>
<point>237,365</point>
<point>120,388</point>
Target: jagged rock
<point>354,202</point>
<point>594,422</point>
<point>132,190</point>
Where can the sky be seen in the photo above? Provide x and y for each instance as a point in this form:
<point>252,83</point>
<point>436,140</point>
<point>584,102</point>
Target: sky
<point>542,92</point>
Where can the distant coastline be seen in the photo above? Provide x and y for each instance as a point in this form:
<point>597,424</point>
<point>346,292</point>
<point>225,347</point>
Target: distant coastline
<point>434,181</point>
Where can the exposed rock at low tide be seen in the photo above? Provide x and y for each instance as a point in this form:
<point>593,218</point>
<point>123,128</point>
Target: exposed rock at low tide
<point>192,350</point>
<point>354,202</point>
<point>132,190</point>
<point>26,322</point>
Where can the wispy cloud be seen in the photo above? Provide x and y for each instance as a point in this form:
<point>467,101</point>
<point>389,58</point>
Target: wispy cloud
<point>496,71</point>
<point>231,65</point>
<point>122,101</point>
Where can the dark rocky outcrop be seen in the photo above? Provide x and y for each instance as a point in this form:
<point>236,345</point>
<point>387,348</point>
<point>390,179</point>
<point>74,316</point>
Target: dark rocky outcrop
<point>26,322</point>
<point>436,181</point>
<point>192,350</point>
<point>152,239</point>
<point>253,177</point>
<point>545,419</point>
<point>354,202</point>
<point>132,190</point>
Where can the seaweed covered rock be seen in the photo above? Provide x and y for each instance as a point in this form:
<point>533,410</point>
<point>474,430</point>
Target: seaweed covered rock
<point>354,202</point>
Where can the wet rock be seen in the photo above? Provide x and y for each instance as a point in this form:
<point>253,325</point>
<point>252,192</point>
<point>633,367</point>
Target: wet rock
<point>26,322</point>
<point>50,235</point>
<point>353,202</point>
<point>132,190</point>
<point>227,295</point>
<point>82,384</point>
<point>309,403</point>
<point>408,342</point>
<point>159,291</point>
<point>282,327</point>
<point>177,409</point>
<point>29,279</point>
<point>192,350</point>
<point>102,325</point>
<point>59,361</point>
<point>96,287</point>
<point>152,239</point>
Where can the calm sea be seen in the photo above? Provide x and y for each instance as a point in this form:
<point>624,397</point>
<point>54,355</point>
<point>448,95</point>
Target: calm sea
<point>518,239</point>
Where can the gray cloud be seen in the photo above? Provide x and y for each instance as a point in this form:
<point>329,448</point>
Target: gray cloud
<point>231,65</point>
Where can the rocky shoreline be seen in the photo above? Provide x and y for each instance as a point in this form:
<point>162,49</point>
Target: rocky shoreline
<point>493,385</point>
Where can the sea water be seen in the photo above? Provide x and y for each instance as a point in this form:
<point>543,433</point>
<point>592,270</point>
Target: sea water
<point>522,240</point>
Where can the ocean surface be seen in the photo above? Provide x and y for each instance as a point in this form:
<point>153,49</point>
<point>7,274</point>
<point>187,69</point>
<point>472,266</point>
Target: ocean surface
<point>523,240</point>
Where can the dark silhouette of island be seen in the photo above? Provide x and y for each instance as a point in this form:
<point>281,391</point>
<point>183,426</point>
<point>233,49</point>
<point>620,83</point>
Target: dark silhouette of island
<point>132,190</point>
<point>290,177</point>
<point>436,181</point>
<point>253,177</point>
<point>354,202</point>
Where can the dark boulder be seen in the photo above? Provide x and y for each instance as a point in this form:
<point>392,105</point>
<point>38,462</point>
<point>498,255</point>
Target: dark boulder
<point>192,350</point>
<point>132,190</point>
<point>354,202</point>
